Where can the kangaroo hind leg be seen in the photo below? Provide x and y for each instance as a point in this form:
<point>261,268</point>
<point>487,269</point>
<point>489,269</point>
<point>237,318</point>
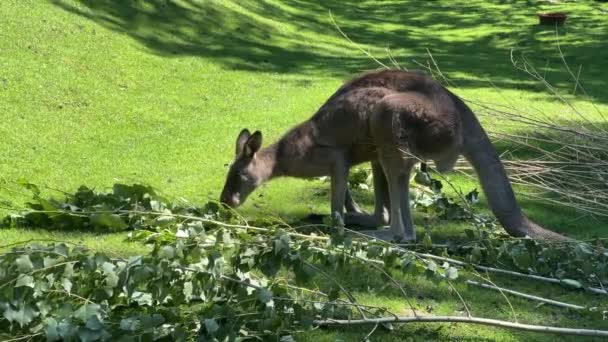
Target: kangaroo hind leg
<point>380,217</point>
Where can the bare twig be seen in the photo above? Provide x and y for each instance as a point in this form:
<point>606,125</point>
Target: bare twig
<point>511,273</point>
<point>527,296</point>
<point>459,319</point>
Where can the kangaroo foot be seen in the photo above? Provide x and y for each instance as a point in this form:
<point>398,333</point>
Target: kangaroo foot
<point>384,234</point>
<point>363,221</point>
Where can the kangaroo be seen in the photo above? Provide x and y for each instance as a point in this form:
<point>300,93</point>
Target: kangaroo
<point>393,119</point>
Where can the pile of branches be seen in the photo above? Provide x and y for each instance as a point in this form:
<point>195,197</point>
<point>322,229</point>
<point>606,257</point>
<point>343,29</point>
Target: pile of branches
<point>210,275</point>
<point>566,159</point>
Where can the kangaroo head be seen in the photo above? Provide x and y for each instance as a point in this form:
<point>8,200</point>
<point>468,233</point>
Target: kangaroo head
<point>245,173</point>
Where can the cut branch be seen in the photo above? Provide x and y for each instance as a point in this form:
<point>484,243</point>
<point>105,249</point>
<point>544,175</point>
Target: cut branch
<point>470,320</point>
<point>527,296</point>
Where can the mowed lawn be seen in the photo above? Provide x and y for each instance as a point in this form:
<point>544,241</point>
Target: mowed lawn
<point>155,92</point>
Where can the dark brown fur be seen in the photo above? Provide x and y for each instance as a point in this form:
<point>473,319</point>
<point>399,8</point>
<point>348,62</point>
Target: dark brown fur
<point>394,119</point>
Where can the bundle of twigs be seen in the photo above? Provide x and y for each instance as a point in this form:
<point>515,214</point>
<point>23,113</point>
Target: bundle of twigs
<point>566,159</point>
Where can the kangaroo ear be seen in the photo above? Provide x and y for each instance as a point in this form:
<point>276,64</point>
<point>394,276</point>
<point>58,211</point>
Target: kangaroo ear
<point>253,144</point>
<point>241,140</point>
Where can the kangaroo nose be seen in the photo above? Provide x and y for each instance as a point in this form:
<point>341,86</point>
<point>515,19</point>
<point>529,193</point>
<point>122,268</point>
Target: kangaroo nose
<point>231,201</point>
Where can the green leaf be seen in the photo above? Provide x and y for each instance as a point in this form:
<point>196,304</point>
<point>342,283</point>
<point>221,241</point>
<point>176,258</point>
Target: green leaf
<point>583,250</point>
<point>281,245</point>
<point>470,234</point>
<point>68,270</point>
<point>188,290</point>
<point>264,295</point>
<point>436,186</point>
<point>166,252</point>
<point>129,324</point>
<point>51,332</point>
<point>422,178</point>
<point>111,221</point>
<point>472,197</point>
<point>152,321</point>
<point>87,311</point>
<point>575,284</point>
<point>93,323</point>
<point>24,264</point>
<point>29,186</point>
<point>211,326</point>
<point>24,316</point>
<point>431,266</point>
<point>48,261</point>
<point>25,280</point>
<point>522,259</point>
<point>66,284</point>
<point>451,273</point>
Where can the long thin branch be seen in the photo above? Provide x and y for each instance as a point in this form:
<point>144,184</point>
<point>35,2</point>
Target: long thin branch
<point>527,296</point>
<point>459,319</point>
<point>512,273</point>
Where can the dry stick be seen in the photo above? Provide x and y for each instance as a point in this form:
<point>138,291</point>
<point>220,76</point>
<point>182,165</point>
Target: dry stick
<point>527,296</point>
<point>459,319</point>
<point>466,307</point>
<point>498,270</point>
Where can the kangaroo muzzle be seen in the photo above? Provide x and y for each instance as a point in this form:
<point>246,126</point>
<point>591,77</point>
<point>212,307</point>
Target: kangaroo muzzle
<point>232,201</point>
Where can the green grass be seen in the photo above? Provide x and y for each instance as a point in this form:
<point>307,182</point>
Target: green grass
<point>95,92</point>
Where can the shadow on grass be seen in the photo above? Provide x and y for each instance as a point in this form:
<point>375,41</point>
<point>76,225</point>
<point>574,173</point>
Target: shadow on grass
<point>431,297</point>
<point>296,36</point>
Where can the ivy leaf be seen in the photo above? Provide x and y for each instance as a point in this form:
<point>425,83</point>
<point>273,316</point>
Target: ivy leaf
<point>211,326</point>
<point>24,316</point>
<point>24,264</point>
